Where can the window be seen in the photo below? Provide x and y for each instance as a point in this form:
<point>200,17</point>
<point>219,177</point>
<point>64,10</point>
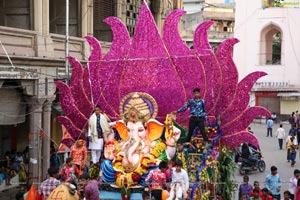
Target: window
<point>271,45</point>
<point>132,10</point>
<point>102,10</point>
<point>16,13</point>
<point>58,17</point>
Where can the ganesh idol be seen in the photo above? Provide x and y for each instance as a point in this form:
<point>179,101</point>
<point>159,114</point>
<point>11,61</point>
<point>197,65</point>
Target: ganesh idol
<point>143,142</point>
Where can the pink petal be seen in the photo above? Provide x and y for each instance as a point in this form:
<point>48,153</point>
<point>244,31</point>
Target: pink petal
<point>188,66</point>
<point>238,138</point>
<point>71,128</point>
<point>68,105</point>
<point>93,67</point>
<point>242,97</point>
<point>112,66</point>
<point>212,70</point>
<point>242,121</point>
<point>149,68</point>
<point>80,99</point>
<point>68,142</point>
<point>229,74</point>
<point>86,84</point>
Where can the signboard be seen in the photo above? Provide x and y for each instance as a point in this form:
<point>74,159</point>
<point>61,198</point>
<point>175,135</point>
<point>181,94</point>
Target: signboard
<point>282,3</point>
<point>17,73</point>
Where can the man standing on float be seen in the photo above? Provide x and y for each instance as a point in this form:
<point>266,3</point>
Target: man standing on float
<point>98,128</point>
<point>197,114</point>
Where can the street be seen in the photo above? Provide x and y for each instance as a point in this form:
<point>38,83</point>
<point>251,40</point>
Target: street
<point>272,155</point>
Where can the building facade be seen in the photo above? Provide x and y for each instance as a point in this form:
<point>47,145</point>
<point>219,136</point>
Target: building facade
<point>219,11</point>
<point>268,34</point>
<point>32,57</point>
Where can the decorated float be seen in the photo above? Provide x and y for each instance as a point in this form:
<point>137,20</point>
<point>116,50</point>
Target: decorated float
<point>139,82</point>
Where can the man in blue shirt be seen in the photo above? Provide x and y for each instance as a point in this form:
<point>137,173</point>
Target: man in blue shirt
<point>273,183</point>
<point>197,114</point>
<point>269,127</point>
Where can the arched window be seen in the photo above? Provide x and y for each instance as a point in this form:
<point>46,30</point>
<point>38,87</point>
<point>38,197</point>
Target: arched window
<point>271,45</point>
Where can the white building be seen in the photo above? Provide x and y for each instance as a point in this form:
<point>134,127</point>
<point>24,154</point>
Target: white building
<point>269,41</point>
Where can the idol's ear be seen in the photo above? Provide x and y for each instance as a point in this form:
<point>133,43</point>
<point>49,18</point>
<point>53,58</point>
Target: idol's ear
<point>122,129</point>
<point>154,129</point>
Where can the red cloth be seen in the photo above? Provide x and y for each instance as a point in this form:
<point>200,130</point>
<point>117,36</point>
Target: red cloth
<point>158,178</point>
<point>269,197</point>
<point>259,194</point>
<point>68,171</point>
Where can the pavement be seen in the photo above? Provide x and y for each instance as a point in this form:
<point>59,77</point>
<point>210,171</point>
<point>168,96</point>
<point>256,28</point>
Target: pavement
<point>272,155</point>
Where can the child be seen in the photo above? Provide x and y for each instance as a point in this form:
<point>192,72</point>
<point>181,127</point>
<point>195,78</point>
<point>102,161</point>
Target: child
<point>69,171</point>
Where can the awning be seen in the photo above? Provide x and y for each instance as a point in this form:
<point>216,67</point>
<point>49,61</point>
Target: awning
<point>288,94</point>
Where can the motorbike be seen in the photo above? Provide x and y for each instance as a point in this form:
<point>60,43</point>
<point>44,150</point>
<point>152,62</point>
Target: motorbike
<point>246,166</point>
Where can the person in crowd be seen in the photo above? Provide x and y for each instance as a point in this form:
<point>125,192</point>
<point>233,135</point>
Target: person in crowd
<point>266,195</point>
<point>270,127</point>
<point>158,178</point>
<point>293,131</point>
<point>256,186</point>
<point>293,183</point>
<point>250,130</point>
<point>51,183</point>
<point>287,140</point>
<point>98,128</point>
<point>293,119</point>
<point>287,195</point>
<point>146,196</point>
<point>54,159</point>
<point>274,117</point>
<point>197,114</point>
<point>292,151</point>
<point>180,182</point>
<point>168,172</point>
<point>69,172</point>
<point>255,195</point>
<point>280,134</point>
<point>297,192</point>
<point>243,197</point>
<point>182,153</point>
<point>88,189</point>
<point>245,187</point>
<point>247,154</point>
<point>79,154</point>
<point>273,183</point>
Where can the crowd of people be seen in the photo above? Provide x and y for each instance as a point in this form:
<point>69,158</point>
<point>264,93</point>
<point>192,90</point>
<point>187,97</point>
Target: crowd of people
<point>13,163</point>
<point>272,187</point>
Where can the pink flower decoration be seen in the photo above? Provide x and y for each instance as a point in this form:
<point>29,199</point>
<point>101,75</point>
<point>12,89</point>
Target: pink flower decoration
<point>165,68</point>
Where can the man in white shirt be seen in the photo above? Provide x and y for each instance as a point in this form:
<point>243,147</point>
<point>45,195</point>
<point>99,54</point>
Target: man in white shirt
<point>98,130</point>
<point>180,182</point>
<point>293,183</point>
<point>280,134</point>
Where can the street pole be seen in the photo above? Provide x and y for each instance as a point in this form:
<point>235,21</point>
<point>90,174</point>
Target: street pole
<point>67,41</point>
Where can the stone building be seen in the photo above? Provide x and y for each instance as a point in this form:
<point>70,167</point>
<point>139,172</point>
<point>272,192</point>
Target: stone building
<point>268,34</point>
<point>32,57</point>
<point>219,11</point>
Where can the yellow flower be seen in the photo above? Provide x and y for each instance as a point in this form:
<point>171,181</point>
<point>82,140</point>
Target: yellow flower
<point>224,149</point>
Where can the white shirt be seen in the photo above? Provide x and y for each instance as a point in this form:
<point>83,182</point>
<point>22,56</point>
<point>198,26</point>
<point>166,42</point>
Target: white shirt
<point>293,185</point>
<point>288,138</point>
<point>180,177</point>
<point>280,133</point>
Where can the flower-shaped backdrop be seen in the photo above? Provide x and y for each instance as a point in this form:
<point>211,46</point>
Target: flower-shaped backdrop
<point>165,68</point>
